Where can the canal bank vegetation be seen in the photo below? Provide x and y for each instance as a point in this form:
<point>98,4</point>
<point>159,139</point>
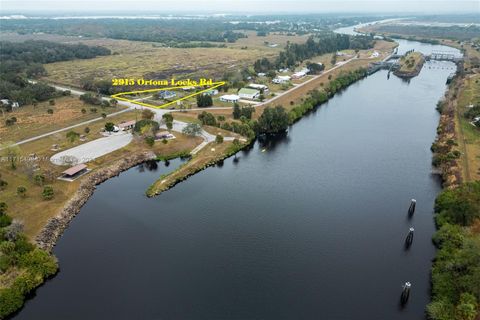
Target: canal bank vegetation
<point>210,155</point>
<point>456,268</point>
<point>410,65</point>
<point>23,266</point>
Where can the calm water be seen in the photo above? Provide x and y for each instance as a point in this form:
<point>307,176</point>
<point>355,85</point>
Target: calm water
<point>311,228</point>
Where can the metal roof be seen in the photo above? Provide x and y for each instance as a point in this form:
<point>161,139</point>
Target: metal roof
<point>75,169</point>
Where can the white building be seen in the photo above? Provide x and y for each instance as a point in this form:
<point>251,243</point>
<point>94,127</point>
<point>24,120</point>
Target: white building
<point>258,87</point>
<point>281,79</point>
<point>229,98</point>
<point>247,93</point>
<point>261,74</point>
<point>299,74</point>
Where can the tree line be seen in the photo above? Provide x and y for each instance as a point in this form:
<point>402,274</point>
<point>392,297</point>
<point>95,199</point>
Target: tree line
<point>326,43</point>
<point>17,253</point>
<point>456,271</point>
<point>170,32</point>
<point>23,60</point>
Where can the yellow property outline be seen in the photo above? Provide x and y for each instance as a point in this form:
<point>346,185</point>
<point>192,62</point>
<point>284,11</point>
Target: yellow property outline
<point>116,96</point>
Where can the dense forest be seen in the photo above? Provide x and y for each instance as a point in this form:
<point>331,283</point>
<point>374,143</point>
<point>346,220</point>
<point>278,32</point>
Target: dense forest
<point>327,43</point>
<point>22,60</point>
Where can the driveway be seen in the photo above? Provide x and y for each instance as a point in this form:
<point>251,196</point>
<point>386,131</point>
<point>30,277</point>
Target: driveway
<point>91,150</point>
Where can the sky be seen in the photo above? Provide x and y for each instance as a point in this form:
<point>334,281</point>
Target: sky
<point>95,7</point>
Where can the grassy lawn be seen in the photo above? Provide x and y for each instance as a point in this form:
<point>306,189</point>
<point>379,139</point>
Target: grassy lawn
<point>34,120</point>
<point>468,135</point>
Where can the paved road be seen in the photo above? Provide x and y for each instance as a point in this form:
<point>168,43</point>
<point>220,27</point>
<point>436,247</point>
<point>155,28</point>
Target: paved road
<point>178,125</point>
<point>91,150</point>
<point>68,128</point>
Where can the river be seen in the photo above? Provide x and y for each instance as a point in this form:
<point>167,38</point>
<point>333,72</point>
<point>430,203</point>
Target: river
<point>310,225</point>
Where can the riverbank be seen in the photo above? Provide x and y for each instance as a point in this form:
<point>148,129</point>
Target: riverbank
<point>55,226</point>
<point>285,206</point>
<point>18,278</point>
<point>456,291</point>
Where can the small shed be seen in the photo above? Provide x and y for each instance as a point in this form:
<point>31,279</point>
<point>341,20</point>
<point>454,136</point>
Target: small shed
<point>74,172</point>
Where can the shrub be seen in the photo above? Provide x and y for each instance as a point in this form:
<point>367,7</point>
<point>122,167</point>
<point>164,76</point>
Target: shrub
<point>3,208</point>
<point>109,126</point>
<point>219,138</point>
<point>207,118</point>
<point>5,221</point>
<point>459,206</point>
<point>192,129</point>
<point>72,135</point>
<point>39,179</point>
<point>48,193</point>
<point>22,191</point>
<point>145,125</point>
<point>150,141</point>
